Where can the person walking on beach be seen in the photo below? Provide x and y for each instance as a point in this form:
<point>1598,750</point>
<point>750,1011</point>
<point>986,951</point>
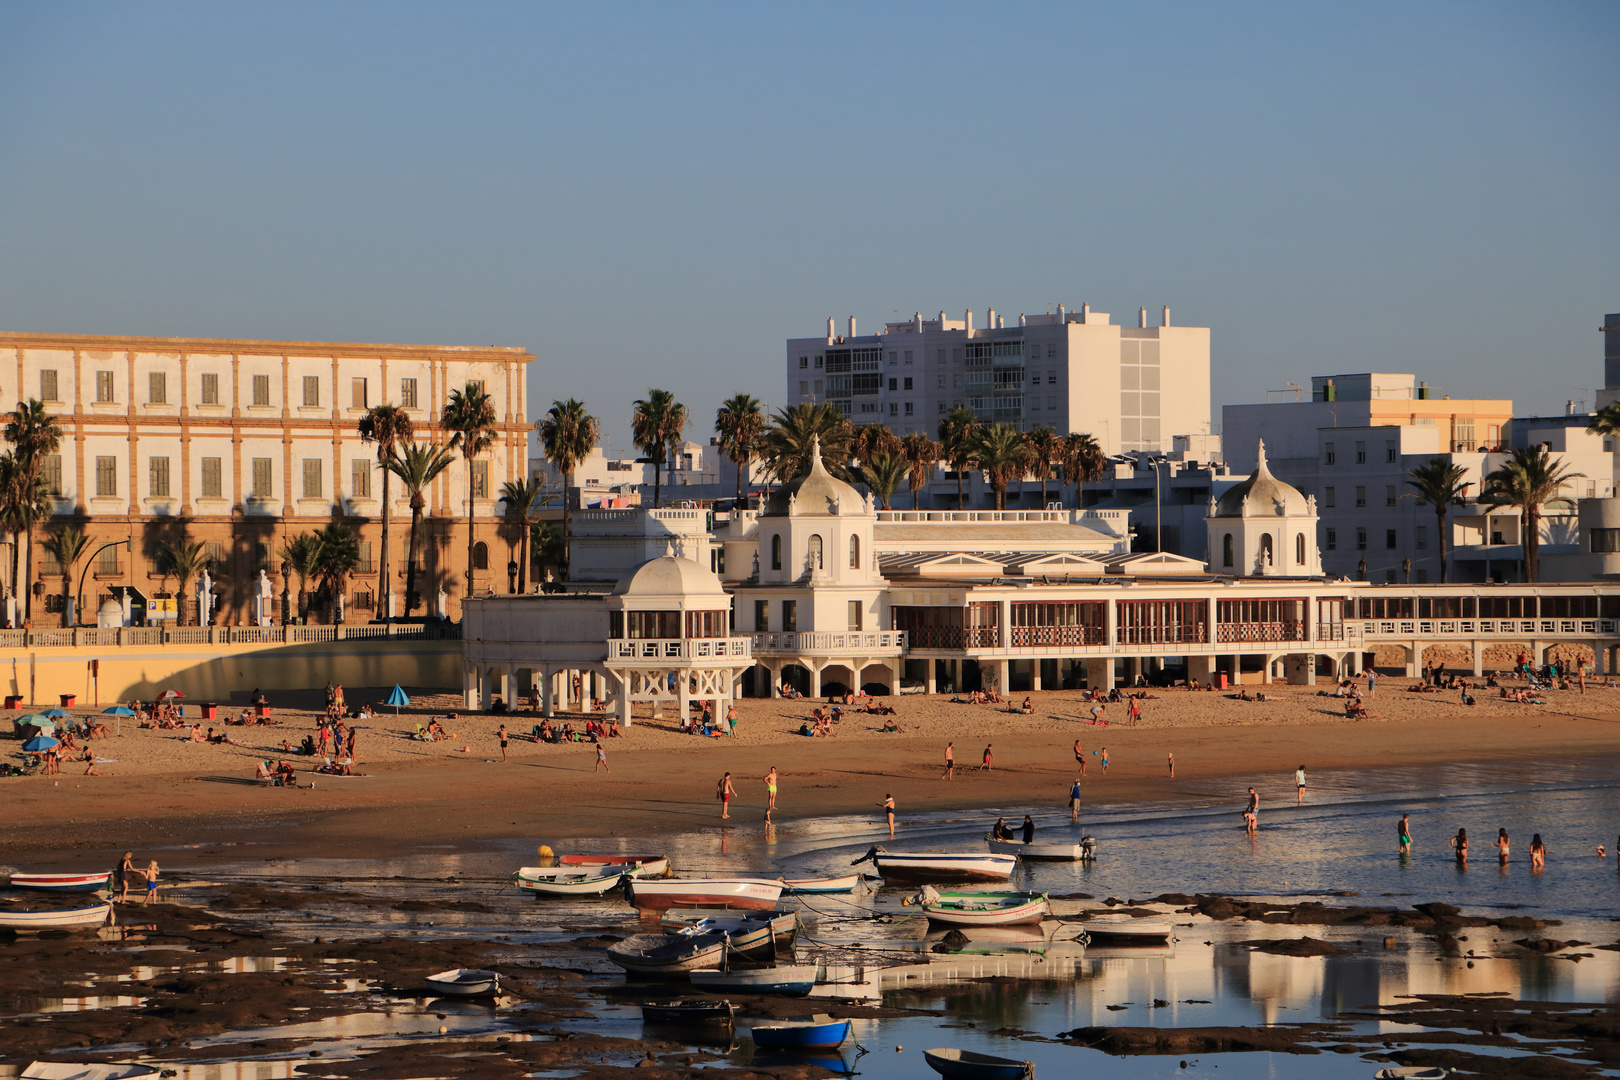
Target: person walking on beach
<point>950,762</point>
<point>503,742</point>
<point>1502,846</point>
<point>989,758</point>
<point>1299,784</point>
<point>724,791</point>
<point>1459,844</point>
<point>1080,757</point>
<point>601,759</point>
<point>1251,813</point>
<point>1171,759</point>
<point>126,871</point>
<point>770,792</point>
<point>1029,829</point>
<point>151,877</point>
<point>1104,755</point>
<point>1134,713</point>
<point>1372,681</point>
<point>1538,854</point>
<point>888,810</point>
<point>1074,801</point>
<point>1404,831</point>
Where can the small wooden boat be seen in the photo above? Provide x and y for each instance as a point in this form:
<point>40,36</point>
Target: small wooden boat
<point>62,882</point>
<point>86,1070</point>
<point>1115,931</point>
<point>755,937</point>
<point>845,884</point>
<point>650,865</point>
<point>918,867</point>
<point>1084,851</point>
<point>683,1011</point>
<point>1413,1072</point>
<point>464,982</point>
<point>568,881</point>
<point>806,1032</point>
<point>755,894</point>
<point>73,919</point>
<point>668,954</point>
<point>792,980</point>
<point>983,909</point>
<point>967,1065</point>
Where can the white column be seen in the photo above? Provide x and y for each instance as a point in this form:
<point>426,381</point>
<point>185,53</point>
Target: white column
<point>929,679</point>
<point>1035,673</point>
<point>548,691</point>
<point>815,679</point>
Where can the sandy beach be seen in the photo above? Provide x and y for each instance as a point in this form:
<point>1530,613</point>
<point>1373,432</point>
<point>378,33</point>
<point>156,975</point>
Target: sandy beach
<point>161,790</point>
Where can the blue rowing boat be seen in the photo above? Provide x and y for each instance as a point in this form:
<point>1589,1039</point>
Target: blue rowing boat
<point>954,1064</point>
<point>805,1032</point>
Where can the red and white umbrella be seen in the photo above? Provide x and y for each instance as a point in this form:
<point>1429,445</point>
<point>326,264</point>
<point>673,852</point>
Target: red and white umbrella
<point>170,695</point>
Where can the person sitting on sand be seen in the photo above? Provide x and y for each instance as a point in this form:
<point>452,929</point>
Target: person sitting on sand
<point>889,725</point>
<point>261,771</point>
<point>284,774</point>
<point>196,733</point>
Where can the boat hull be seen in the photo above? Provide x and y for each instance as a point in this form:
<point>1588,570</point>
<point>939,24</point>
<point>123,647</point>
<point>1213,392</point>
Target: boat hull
<point>61,882</point>
<point>966,1065</point>
<point>801,1036</point>
<point>1039,851</point>
<point>584,883</point>
<point>1118,935</point>
<point>651,865</point>
<point>807,886</point>
<point>667,954</point>
<point>749,894</point>
<point>75,919</point>
<point>793,980</point>
<point>714,1013</point>
<point>986,909</point>
<point>464,982</point>
<point>85,1070</point>
<point>943,867</point>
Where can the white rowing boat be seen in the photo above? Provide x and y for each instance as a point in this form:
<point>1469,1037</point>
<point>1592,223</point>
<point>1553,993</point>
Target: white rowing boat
<point>1083,851</point>
<point>753,936</point>
<point>844,884</point>
<point>72,919</point>
<point>983,909</point>
<point>920,867</point>
<point>61,882</point>
<point>668,954</point>
<point>755,894</point>
<point>464,982</point>
<point>86,1070</point>
<point>1123,930</point>
<point>790,979</point>
<point>568,880</point>
<point>650,865</point>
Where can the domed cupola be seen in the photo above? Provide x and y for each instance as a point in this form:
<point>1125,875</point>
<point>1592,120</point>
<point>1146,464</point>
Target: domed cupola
<point>1263,527</point>
<point>817,530</point>
<point>817,492</point>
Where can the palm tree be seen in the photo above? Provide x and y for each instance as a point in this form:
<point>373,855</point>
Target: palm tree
<point>185,561</point>
<point>656,427</point>
<point>521,498</point>
<point>1526,481</point>
<point>24,499</point>
<point>885,472</point>
<point>389,426</point>
<point>66,545</point>
<point>337,556</point>
<point>740,421</point>
<point>34,434</point>
<point>1001,452</point>
<point>785,447</point>
<point>956,435</point>
<point>417,466</point>
<point>873,439</point>
<point>920,453</point>
<point>1441,485</point>
<point>569,434</point>
<point>303,554</point>
<point>1045,450</point>
<point>1082,460</point>
<point>546,544</point>
<point>470,414</point>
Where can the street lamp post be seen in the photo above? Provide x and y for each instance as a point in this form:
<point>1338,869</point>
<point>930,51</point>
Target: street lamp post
<point>286,597</point>
<point>78,596</point>
<point>511,576</point>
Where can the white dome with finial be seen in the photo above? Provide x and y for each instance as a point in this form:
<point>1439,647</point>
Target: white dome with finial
<point>1262,495</point>
<point>816,492</point>
<point>670,575</point>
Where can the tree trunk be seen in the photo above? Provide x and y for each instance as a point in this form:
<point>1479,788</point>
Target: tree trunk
<point>16,564</point>
<point>410,559</point>
<point>1441,514</point>
<point>523,555</point>
<point>1532,544</point>
<point>387,582</point>
<point>67,584</point>
<point>568,520</point>
<point>472,530</point>
<point>959,495</point>
<point>657,489</point>
<point>742,467</point>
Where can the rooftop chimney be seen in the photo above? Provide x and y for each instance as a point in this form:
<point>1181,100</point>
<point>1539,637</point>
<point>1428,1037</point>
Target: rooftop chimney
<point>1085,312</point>
<point>916,321</point>
<point>1060,315</point>
<point>1166,315</point>
<point>990,319</point>
<point>1022,319</point>
<point>830,332</point>
<point>1141,318</point>
<point>967,320</point>
<point>852,326</point>
<point>1569,408</point>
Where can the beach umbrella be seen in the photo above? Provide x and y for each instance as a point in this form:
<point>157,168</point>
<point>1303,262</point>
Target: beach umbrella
<point>170,695</point>
<point>118,710</point>
<point>38,743</point>
<point>396,698</point>
<point>37,720</point>
<point>57,714</point>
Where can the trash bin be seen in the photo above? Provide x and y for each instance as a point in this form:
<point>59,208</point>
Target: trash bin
<point>1220,680</point>
<point>68,700</point>
<point>13,701</point>
<point>210,710</point>
<point>264,712</point>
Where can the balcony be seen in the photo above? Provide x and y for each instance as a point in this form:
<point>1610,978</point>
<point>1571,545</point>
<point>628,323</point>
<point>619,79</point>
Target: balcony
<point>1521,629</point>
<point>1245,632</point>
<point>827,643</point>
<point>678,650</point>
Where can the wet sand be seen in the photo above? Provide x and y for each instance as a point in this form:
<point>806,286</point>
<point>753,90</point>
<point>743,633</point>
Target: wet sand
<point>165,792</point>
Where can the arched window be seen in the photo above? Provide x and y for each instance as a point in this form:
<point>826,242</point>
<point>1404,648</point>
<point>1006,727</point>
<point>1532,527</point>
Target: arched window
<point>480,556</point>
<point>854,552</point>
<point>1265,549</point>
<point>1226,550</point>
<point>1299,550</point>
<point>776,552</point>
<point>815,551</point>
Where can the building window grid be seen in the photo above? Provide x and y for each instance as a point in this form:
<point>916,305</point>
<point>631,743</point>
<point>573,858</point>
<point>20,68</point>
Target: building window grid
<point>51,472</point>
<point>407,393</point>
<point>47,385</point>
<point>210,388</point>
<point>262,479</point>
<point>212,477</point>
<point>104,387</point>
<point>106,476</point>
<point>261,389</point>
<point>312,478</point>
<point>157,388</point>
<point>360,478</point>
<point>158,476</point>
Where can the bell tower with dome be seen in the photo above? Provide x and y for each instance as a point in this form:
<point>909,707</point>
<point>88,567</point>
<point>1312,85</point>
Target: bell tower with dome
<point>1263,527</point>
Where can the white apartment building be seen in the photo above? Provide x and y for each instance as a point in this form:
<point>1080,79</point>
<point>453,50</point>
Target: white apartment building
<point>241,444</point>
<point>1132,388</point>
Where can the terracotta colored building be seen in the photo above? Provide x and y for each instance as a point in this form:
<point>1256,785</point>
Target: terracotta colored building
<point>244,444</point>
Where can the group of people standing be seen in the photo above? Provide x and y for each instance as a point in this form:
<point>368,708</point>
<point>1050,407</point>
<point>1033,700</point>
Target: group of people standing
<point>1459,846</point>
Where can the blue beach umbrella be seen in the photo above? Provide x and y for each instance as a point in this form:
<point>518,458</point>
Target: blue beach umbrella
<point>37,720</point>
<point>39,743</point>
<point>396,698</point>
<point>57,714</point>
<point>118,710</point>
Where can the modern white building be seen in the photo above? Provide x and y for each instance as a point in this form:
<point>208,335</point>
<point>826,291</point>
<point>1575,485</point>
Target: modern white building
<point>1132,388</point>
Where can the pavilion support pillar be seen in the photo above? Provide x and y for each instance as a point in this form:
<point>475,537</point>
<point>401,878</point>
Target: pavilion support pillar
<point>1477,648</point>
<point>1100,672</point>
<point>469,688</point>
<point>1414,660</point>
<point>815,678</point>
<point>1300,669</point>
<point>1201,668</point>
<point>1035,673</point>
<point>929,678</point>
<point>625,706</point>
<point>1003,679</point>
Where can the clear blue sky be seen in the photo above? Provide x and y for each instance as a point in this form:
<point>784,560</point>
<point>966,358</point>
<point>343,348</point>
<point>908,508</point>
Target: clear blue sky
<point>659,194</point>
